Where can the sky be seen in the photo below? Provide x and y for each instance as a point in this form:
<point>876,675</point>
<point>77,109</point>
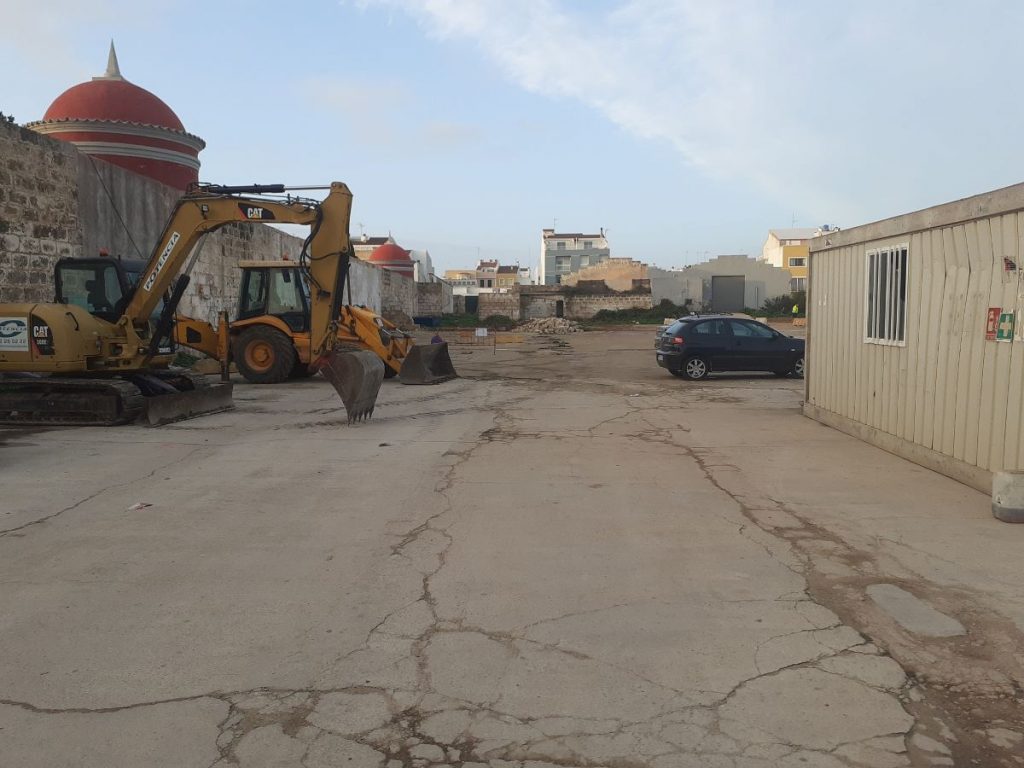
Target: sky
<point>684,128</point>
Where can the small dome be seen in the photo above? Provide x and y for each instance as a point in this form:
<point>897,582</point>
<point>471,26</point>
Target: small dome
<point>393,257</point>
<point>390,252</point>
<point>113,101</point>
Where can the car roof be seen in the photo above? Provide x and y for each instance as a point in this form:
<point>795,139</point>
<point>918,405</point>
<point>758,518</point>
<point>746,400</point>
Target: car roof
<point>695,318</point>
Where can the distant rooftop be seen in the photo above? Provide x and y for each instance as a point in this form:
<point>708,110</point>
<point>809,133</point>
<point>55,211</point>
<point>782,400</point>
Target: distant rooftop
<point>795,233</point>
<point>568,235</point>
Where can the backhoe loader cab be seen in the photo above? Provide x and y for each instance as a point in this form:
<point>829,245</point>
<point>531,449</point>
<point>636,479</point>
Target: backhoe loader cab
<point>275,288</point>
<point>270,338</point>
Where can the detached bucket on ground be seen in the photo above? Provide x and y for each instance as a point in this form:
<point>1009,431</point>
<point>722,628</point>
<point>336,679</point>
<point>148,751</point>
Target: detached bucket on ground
<point>427,364</point>
<point>357,376</point>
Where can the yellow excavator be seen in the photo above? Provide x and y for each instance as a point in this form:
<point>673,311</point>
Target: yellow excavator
<point>269,340</point>
<point>101,353</point>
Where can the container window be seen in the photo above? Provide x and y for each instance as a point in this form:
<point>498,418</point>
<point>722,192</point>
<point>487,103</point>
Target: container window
<point>885,296</point>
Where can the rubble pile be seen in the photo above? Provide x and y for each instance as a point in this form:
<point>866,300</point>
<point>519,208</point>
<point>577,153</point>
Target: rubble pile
<point>551,325</point>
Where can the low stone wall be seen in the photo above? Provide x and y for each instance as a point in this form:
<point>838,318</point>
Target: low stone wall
<point>540,301</point>
<point>499,304</point>
<point>582,307</point>
<point>540,305</point>
<point>434,299</point>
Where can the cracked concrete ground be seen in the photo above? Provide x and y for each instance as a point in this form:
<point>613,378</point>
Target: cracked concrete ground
<point>567,558</point>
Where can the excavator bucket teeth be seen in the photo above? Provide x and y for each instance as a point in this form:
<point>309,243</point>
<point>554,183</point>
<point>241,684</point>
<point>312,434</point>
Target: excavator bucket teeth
<point>357,375</point>
<point>427,364</point>
<point>163,409</point>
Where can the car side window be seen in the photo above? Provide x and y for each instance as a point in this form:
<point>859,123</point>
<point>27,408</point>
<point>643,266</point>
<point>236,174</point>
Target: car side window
<point>711,328</point>
<point>747,330</point>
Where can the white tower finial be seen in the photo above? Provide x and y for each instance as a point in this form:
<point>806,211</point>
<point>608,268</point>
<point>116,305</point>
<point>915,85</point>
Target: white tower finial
<point>113,70</point>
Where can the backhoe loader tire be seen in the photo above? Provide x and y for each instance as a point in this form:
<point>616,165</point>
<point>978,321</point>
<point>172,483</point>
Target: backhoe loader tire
<point>301,370</point>
<point>264,355</point>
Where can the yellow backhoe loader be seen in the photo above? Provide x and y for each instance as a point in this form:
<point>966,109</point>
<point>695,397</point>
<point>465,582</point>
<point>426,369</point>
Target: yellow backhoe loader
<point>269,339</point>
<point>101,353</point>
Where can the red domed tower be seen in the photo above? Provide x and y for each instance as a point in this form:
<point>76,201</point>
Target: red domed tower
<point>126,125</point>
<point>393,257</point>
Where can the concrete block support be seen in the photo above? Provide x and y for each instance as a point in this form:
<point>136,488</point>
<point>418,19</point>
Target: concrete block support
<point>1008,496</point>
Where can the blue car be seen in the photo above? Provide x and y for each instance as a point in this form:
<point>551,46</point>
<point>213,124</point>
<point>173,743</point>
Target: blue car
<point>693,347</point>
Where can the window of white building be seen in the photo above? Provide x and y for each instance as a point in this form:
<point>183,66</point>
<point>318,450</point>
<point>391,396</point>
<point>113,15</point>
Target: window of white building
<point>885,295</point>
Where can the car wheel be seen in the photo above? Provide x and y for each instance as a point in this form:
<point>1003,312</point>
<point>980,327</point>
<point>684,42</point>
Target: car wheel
<point>696,368</point>
<point>798,367</point>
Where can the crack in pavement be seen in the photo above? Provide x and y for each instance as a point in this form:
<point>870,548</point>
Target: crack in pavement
<point>121,484</point>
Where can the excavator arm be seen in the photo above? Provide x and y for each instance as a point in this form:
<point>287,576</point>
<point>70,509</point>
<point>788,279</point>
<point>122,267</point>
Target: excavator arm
<point>326,252</point>
<point>325,258</point>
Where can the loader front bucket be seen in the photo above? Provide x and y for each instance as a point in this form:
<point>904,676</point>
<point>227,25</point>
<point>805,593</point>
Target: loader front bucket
<point>427,364</point>
<point>357,375</point>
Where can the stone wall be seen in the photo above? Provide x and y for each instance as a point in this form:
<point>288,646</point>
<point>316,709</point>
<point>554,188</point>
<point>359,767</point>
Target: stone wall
<point>39,219</point>
<point>397,292</point>
<point>583,307</point>
<point>499,304</point>
<point>434,299</point>
<point>539,301</point>
<point>57,202</point>
<point>617,273</point>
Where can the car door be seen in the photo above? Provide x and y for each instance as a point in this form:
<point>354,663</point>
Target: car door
<point>754,346</point>
<point>712,340</point>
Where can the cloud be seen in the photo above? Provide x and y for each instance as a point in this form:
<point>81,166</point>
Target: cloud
<point>385,114</point>
<point>52,27</point>
<point>807,102</point>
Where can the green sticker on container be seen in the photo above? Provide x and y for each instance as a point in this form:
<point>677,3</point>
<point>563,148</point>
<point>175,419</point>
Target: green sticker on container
<point>1005,329</point>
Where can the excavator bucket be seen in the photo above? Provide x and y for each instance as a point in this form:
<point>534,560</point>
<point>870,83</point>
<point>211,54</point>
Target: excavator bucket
<point>427,364</point>
<point>357,375</point>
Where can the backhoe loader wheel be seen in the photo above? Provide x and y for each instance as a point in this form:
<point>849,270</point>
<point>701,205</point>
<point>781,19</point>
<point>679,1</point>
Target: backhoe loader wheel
<point>301,370</point>
<point>264,355</point>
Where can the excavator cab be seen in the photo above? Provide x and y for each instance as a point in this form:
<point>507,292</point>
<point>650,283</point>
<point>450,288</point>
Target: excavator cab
<point>102,287</point>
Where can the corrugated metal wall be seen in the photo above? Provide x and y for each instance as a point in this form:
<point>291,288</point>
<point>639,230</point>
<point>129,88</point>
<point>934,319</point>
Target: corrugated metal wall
<point>948,389</point>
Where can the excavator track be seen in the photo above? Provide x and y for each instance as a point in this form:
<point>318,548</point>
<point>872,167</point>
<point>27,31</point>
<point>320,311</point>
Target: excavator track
<point>59,401</point>
<point>157,398</point>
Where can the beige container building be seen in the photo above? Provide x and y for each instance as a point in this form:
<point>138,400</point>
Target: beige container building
<point>914,335</point>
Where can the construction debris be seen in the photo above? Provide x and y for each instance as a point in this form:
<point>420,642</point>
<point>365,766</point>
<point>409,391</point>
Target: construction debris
<point>551,325</point>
